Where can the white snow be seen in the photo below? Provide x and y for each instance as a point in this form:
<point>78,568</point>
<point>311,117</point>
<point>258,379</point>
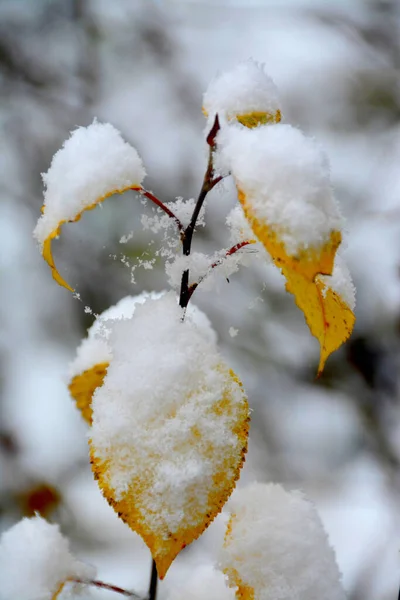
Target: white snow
<point>205,583</point>
<point>341,282</point>
<point>206,269</point>
<point>198,264</point>
<point>239,228</point>
<point>94,349</point>
<point>35,560</point>
<point>154,419</point>
<point>92,164</point>
<point>246,88</point>
<point>285,177</point>
<point>278,546</point>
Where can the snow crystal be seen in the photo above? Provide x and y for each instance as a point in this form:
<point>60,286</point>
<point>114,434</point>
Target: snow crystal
<point>285,178</point>
<point>94,349</point>
<point>205,583</point>
<point>35,560</point>
<point>233,332</point>
<point>340,282</point>
<point>164,381</point>
<point>93,163</point>
<point>278,546</point>
<point>245,89</point>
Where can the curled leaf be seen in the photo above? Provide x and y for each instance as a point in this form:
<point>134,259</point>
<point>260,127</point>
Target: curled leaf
<point>169,453</point>
<point>94,163</point>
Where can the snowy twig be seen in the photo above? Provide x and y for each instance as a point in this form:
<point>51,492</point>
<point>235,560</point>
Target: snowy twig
<point>208,183</point>
<point>160,204</point>
<point>218,262</point>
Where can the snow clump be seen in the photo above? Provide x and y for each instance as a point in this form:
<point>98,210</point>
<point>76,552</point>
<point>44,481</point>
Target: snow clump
<point>285,179</point>
<point>245,89</point>
<point>35,561</point>
<point>276,546</point>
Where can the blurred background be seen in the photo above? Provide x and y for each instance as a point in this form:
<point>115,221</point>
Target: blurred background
<point>143,66</point>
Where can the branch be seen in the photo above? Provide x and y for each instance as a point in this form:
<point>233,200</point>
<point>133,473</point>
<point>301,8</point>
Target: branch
<point>160,204</point>
<point>208,183</point>
<point>153,582</point>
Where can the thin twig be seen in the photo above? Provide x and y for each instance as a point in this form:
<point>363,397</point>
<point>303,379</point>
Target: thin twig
<point>160,204</point>
<point>153,582</point>
<point>107,586</point>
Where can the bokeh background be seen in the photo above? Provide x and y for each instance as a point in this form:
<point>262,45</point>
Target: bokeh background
<point>143,66</point>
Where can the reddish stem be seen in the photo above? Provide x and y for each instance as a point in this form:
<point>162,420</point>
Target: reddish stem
<point>106,586</point>
<point>160,204</point>
<point>233,250</point>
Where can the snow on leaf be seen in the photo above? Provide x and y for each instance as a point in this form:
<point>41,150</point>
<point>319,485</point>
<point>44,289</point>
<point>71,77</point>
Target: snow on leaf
<point>276,547</point>
<point>170,427</point>
<point>93,164</point>
<point>36,562</point>
<point>204,582</point>
<point>245,93</point>
<point>89,367</point>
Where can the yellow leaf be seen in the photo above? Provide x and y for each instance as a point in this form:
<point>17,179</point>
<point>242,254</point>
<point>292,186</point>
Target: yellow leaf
<point>46,250</point>
<point>82,388</point>
<point>254,118</point>
<point>201,505</point>
<point>327,315</point>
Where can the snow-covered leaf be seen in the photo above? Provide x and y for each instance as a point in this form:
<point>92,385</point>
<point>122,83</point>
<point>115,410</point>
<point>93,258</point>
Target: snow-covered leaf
<point>93,164</point>
<point>284,188</point>
<point>246,93</point>
<point>277,549</point>
<point>35,562</point>
<point>170,427</point>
